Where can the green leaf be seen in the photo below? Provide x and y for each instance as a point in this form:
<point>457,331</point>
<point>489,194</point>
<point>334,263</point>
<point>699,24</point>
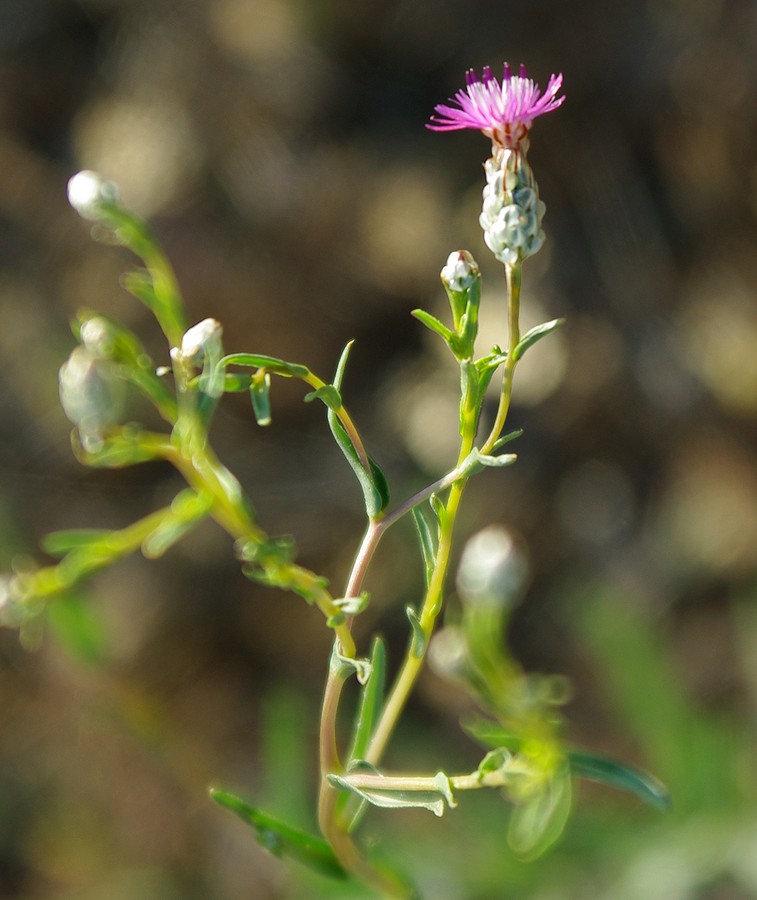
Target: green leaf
<point>538,822</point>
<point>490,734</point>
<point>373,484</point>
<point>114,452</point>
<point>506,438</point>
<point>432,323</point>
<point>140,285</point>
<point>477,461</point>
<point>260,394</point>
<point>237,382</point>
<point>418,640</point>
<point>328,394</point>
<point>281,839</point>
<point>261,361</point>
<point>401,798</point>
<point>619,775</point>
<point>78,628</point>
<point>534,335</point>
<point>187,510</point>
<point>440,510</point>
<point>428,543</point>
<point>347,665</point>
<point>371,699</point>
<point>59,543</point>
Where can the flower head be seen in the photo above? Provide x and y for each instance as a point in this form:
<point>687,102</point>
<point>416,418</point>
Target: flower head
<point>503,112</point>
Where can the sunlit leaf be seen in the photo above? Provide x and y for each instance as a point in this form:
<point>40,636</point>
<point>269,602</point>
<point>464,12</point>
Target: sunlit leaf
<point>534,335</point>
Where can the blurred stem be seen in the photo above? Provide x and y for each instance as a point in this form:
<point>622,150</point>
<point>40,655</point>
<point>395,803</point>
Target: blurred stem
<point>203,471</point>
<point>168,306</point>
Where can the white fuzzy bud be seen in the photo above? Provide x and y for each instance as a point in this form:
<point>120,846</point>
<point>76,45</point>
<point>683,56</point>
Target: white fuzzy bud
<point>87,191</point>
<point>492,569</point>
<point>460,271</point>
<point>90,394</point>
<point>511,213</point>
<point>199,339</point>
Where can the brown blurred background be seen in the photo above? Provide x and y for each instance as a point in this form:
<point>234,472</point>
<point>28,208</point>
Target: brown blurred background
<point>279,149</point>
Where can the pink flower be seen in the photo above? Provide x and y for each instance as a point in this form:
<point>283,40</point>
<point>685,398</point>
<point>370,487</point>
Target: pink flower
<point>503,112</point>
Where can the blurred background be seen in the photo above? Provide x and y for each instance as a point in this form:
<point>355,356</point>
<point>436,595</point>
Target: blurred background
<point>279,149</point>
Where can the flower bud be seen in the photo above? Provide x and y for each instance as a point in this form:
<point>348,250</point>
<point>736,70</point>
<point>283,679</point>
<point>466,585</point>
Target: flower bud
<point>97,338</point>
<point>448,653</point>
<point>492,569</point>
<point>199,340</point>
<point>460,271</point>
<point>89,393</point>
<point>512,213</point>
<point>88,191</point>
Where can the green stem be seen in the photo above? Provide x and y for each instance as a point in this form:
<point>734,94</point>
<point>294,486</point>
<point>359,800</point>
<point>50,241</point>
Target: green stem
<point>433,601</point>
<point>513,277</point>
<point>343,845</point>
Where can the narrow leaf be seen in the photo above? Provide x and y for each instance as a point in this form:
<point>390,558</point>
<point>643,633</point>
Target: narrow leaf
<point>418,640</point>
<point>78,628</point>
<point>534,335</point>
<point>261,361</point>
<point>432,323</point>
<point>370,702</point>
<point>373,483</point>
<point>59,543</point>
<point>281,839</point>
<point>619,775</point>
<point>260,394</point>
<point>328,394</point>
<point>428,543</point>
<point>433,801</point>
<point>187,510</point>
<point>538,823</point>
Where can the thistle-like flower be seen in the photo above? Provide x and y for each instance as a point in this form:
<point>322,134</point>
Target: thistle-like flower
<point>512,212</point>
<point>503,112</point>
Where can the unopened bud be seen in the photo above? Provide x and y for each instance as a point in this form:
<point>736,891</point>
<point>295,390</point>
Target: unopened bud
<point>460,271</point>
<point>512,212</point>
<point>89,393</point>
<point>96,336</point>
<point>492,569</point>
<point>448,653</point>
<point>199,339</point>
<point>87,191</point>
